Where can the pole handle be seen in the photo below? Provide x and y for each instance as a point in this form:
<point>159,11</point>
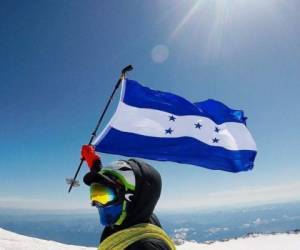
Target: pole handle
<point>75,176</point>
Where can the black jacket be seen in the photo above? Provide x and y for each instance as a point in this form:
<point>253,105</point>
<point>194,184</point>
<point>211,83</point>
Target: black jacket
<point>140,210</point>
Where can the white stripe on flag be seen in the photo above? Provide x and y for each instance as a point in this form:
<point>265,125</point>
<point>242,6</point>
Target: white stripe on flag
<point>154,123</point>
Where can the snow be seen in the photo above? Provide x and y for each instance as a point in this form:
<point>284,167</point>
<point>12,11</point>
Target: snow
<point>259,242</point>
<point>13,241</point>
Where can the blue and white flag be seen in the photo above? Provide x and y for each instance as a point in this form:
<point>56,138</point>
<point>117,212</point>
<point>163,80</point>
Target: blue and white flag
<point>162,126</point>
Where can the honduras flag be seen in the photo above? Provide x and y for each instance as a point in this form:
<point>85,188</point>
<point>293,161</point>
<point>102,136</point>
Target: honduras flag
<point>162,126</point>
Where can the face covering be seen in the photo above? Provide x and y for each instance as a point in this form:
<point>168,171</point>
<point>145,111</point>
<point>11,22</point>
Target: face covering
<point>109,214</point>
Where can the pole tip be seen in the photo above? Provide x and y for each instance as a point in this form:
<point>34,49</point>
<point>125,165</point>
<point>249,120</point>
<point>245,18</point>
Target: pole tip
<point>126,69</point>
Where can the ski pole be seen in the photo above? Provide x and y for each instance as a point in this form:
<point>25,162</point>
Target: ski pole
<point>93,135</point>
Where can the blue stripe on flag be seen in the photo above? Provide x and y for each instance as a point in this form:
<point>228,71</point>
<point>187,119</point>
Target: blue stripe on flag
<point>142,97</point>
<point>182,150</point>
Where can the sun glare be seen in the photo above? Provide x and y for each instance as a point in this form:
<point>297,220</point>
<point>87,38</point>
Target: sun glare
<point>220,17</point>
<point>186,18</point>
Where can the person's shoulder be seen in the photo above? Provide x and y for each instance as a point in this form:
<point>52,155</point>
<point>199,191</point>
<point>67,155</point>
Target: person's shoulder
<point>149,244</point>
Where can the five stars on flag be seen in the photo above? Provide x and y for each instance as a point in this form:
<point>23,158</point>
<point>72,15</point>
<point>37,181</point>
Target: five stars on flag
<point>197,125</point>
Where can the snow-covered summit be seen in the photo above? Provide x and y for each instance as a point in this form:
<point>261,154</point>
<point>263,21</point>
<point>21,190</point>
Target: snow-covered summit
<point>13,241</point>
<point>284,241</point>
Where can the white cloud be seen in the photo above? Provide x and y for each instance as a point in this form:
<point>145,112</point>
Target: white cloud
<point>41,204</point>
<point>239,197</point>
<point>180,234</point>
<point>246,225</point>
<point>290,217</point>
<point>217,229</point>
<point>260,221</point>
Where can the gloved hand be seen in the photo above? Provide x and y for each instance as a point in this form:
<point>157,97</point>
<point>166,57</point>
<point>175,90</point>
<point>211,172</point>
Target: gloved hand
<point>88,154</point>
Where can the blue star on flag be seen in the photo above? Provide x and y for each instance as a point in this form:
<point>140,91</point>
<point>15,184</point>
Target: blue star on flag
<point>172,118</point>
<point>198,125</point>
<point>169,131</point>
<point>217,129</point>
<point>215,140</point>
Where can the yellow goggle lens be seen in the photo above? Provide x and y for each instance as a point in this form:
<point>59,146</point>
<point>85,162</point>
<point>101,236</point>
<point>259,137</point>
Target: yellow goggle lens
<point>101,194</point>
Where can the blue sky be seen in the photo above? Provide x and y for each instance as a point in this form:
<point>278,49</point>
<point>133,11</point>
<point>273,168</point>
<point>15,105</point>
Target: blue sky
<point>60,59</point>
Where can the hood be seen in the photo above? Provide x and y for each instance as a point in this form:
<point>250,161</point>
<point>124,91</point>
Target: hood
<point>146,194</point>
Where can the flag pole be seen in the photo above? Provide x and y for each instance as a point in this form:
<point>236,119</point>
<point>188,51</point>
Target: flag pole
<point>94,133</point>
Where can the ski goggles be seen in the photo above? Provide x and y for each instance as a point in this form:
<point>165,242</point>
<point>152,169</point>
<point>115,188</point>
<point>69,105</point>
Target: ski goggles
<point>102,195</point>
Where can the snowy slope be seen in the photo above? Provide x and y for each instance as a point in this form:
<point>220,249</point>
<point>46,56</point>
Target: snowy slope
<point>260,242</point>
<point>12,241</point>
